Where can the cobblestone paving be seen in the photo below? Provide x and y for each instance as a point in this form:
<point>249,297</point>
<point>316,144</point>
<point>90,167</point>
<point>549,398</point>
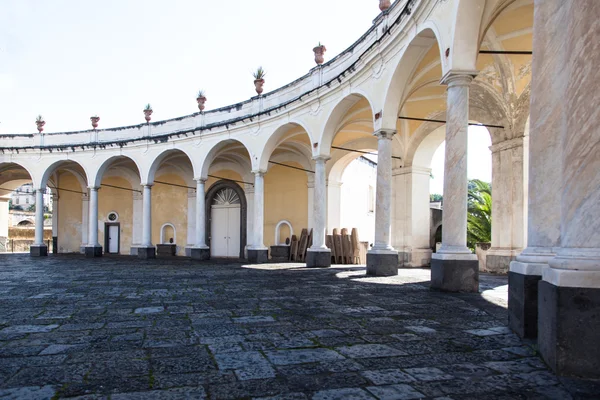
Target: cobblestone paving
<point>121,328</point>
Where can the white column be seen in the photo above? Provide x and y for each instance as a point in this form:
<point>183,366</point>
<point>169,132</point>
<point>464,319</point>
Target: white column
<point>383,198</point>
<point>191,220</point>
<point>93,218</point>
<point>249,191</point>
<point>39,217</point>
<point>259,210</point>
<point>55,214</point>
<point>147,216</point>
<point>508,204</point>
<point>311,198</point>
<point>454,233</point>
<point>320,204</point>
<point>200,214</point>
<point>85,213</point>
<point>136,239</point>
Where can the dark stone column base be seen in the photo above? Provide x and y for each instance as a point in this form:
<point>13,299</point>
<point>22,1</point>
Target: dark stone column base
<point>318,259</point>
<point>38,251</point>
<point>146,253</point>
<point>200,254</point>
<point>523,304</point>
<point>382,264</point>
<point>498,264</point>
<point>93,251</point>
<point>455,275</point>
<point>258,256</point>
<point>280,253</point>
<point>568,329</point>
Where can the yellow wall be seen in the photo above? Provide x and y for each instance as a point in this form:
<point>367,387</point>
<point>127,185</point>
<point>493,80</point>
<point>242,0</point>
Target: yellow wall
<point>121,202</point>
<point>170,205</point>
<point>69,214</point>
<point>286,197</point>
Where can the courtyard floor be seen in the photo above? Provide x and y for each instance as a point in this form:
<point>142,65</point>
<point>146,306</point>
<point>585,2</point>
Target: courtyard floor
<point>121,328</point>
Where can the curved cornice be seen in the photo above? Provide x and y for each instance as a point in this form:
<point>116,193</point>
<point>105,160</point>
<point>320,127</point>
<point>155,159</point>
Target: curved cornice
<point>319,83</point>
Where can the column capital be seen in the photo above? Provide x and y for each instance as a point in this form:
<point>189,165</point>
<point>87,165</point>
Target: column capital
<point>259,172</point>
<point>147,185</point>
<point>507,144</point>
<point>42,188</point>
<point>385,134</point>
<point>459,77</point>
<point>201,180</point>
<point>321,158</point>
<point>96,188</point>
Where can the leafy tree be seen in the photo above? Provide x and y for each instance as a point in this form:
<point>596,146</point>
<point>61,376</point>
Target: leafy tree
<point>31,208</point>
<point>479,213</point>
<point>436,197</point>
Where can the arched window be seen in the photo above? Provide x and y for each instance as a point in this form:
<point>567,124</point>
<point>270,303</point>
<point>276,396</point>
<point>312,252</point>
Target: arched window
<point>278,240</point>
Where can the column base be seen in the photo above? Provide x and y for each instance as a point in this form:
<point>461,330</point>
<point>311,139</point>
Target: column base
<point>382,263</point>
<point>318,258</point>
<point>93,251</point>
<point>200,253</point>
<point>415,258</point>
<point>569,322</point>
<point>146,253</point>
<point>452,275</point>
<point>523,303</point>
<point>258,256</point>
<point>38,250</point>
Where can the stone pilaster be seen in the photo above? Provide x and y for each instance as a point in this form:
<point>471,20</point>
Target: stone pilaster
<point>200,251</point>
<point>454,268</point>
<point>569,293</point>
<point>93,248</point>
<point>258,253</point>
<point>508,204</point>
<point>318,255</point>
<point>546,121</point>
<point>382,259</point>
<point>39,248</point>
<point>411,216</point>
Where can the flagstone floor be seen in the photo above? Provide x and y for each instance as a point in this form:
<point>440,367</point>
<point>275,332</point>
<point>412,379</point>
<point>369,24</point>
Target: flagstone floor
<point>122,328</point>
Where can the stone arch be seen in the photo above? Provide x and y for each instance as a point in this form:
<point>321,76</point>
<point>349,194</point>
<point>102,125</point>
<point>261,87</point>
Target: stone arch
<point>214,151</point>
<point>210,194</point>
<point>335,119</point>
<point>12,176</point>
<point>96,180</point>
<point>156,163</point>
<point>277,230</point>
<point>276,139</point>
<point>340,159</point>
<point>397,89</point>
<point>52,168</point>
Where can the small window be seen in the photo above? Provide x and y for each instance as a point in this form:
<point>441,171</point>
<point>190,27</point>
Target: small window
<point>112,216</point>
<point>371,199</point>
<point>16,200</point>
<point>26,200</point>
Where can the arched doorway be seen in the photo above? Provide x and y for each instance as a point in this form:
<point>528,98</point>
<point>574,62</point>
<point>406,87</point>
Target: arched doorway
<point>226,210</point>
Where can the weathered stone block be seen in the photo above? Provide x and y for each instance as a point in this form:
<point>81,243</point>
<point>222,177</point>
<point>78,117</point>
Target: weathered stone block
<point>166,250</point>
<point>200,254</point>
<point>382,264</point>
<point>569,322</point>
<point>455,275</point>
<point>38,251</point>
<point>280,253</point>
<point>318,259</point>
<point>523,304</point>
<point>146,252</point>
<point>93,251</point>
<point>258,256</point>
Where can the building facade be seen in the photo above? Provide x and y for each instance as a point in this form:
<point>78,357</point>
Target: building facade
<point>214,181</point>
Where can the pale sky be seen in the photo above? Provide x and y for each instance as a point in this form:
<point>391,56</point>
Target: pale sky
<point>71,59</point>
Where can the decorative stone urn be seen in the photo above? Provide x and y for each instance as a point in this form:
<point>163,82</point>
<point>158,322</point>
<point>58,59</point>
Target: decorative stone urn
<point>95,121</point>
<point>384,4</point>
<point>40,125</point>
<point>258,84</point>
<point>320,54</point>
<point>201,100</point>
<point>148,115</point>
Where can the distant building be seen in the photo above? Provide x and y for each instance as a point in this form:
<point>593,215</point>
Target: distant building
<point>24,197</point>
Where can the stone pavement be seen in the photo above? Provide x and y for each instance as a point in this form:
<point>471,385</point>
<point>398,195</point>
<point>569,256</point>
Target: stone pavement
<point>122,328</point>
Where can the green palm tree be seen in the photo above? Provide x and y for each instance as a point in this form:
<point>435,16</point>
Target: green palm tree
<point>479,213</point>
